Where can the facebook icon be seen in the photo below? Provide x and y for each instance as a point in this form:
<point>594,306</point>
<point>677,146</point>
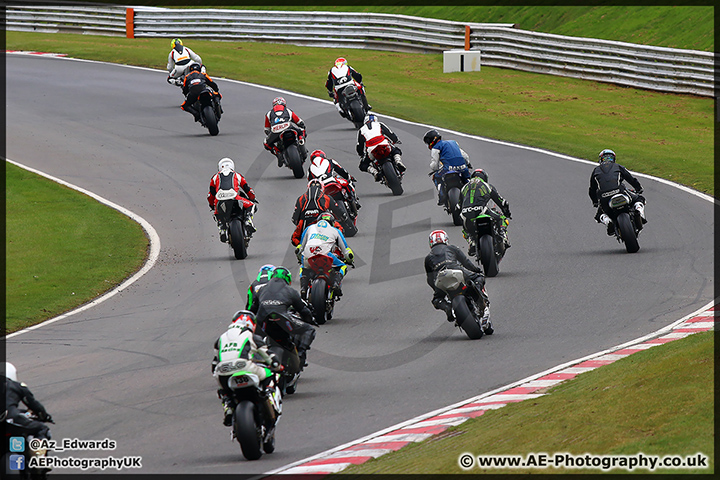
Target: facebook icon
<point>17,462</point>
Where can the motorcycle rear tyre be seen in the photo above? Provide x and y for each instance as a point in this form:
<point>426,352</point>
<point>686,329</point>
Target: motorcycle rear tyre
<point>237,239</point>
<point>318,293</point>
<point>455,207</point>
<point>391,178</point>
<point>488,259</point>
<point>357,113</point>
<point>467,321</point>
<point>627,233</point>
<point>349,228</point>
<point>246,431</point>
<point>292,155</point>
<point>210,120</point>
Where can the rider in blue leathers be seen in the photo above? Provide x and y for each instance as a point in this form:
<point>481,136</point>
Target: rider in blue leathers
<point>445,156</point>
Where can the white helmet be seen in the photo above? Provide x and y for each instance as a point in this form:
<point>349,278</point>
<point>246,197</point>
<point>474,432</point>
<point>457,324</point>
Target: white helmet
<point>370,117</point>
<point>11,371</point>
<point>226,162</point>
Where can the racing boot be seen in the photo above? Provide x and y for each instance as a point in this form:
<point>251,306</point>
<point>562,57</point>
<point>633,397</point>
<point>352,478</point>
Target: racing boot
<point>228,409</point>
<point>341,111</point>
<point>337,285</point>
<point>192,110</point>
<point>472,250</point>
<point>442,196</point>
<point>249,226</point>
<point>223,231</point>
<point>398,162</point>
<point>605,220</point>
<point>304,282</point>
<point>640,207</point>
<point>374,172</point>
<point>503,232</point>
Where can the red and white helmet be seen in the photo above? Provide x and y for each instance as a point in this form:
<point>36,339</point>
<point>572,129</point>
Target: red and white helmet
<point>438,236</point>
<point>340,62</point>
<point>279,101</point>
<point>244,319</point>
<point>320,167</point>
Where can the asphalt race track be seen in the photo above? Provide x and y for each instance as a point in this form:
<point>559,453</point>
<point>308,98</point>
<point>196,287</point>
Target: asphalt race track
<point>136,368</point>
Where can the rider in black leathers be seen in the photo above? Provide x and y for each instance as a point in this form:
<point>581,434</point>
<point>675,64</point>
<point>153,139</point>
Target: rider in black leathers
<point>16,393</point>
<point>277,297</point>
<point>607,177</point>
<point>444,255</point>
<point>193,85</point>
<point>475,195</point>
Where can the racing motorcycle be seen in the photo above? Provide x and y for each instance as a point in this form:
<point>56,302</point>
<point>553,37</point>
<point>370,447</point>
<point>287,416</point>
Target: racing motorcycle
<point>389,173</point>
<point>468,306</point>
<point>291,146</point>
<point>489,240</point>
<point>338,189</point>
<point>453,183</point>
<point>14,448</point>
<point>258,407</point>
<point>208,104</point>
<point>320,274</point>
<point>349,92</point>
<point>233,215</point>
<point>625,218</point>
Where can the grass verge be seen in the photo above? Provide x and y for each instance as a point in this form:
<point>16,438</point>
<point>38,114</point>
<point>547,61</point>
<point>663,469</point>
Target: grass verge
<point>63,248</point>
<point>658,402</point>
<point>667,135</point>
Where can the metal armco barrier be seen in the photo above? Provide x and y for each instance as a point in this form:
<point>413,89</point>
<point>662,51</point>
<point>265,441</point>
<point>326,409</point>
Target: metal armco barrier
<point>501,45</point>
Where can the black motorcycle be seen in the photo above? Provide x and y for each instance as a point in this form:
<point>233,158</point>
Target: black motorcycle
<point>232,214</point>
<point>292,147</point>
<point>258,407</point>
<point>281,343</point>
<point>208,104</point>
<point>13,448</point>
<point>489,239</point>
<point>625,218</point>
<point>453,183</point>
<point>350,100</point>
<point>468,305</point>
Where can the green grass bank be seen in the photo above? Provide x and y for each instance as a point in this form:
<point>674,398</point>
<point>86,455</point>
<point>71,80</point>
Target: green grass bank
<point>657,402</point>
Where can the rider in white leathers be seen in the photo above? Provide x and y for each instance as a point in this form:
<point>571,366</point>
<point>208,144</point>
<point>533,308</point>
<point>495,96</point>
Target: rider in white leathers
<point>179,60</point>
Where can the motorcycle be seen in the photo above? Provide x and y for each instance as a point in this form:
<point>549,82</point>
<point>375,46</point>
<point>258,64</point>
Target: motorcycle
<point>349,99</point>
<point>453,183</point>
<point>320,274</point>
<point>258,407</point>
<point>625,218</point>
<point>233,214</point>
<point>10,452</point>
<point>489,239</point>
<point>208,104</point>
<point>468,306</point>
<point>338,189</point>
<point>389,173</point>
<point>292,147</point>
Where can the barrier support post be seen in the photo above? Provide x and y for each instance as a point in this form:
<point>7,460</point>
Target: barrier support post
<point>467,37</point>
<point>130,23</point>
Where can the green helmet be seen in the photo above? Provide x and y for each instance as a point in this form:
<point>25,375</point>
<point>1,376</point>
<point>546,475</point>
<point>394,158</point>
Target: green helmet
<point>282,272</point>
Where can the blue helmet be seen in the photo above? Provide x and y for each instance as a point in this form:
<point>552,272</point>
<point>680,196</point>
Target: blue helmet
<point>265,271</point>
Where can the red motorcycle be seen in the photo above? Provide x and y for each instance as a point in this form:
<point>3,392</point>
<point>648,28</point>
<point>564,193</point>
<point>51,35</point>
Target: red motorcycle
<point>320,293</point>
<point>339,189</point>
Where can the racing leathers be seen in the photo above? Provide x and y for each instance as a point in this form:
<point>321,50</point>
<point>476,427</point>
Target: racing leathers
<point>607,180</point>
<point>339,78</point>
<point>255,286</point>
<point>476,194</point>
<point>179,60</point>
<point>277,120</point>
<point>193,85</point>
<point>225,182</point>
<point>240,342</point>
<point>308,208</point>
<point>449,256</point>
<point>17,393</point>
<point>446,156</point>
<point>375,141</point>
<point>277,297</point>
<point>321,238</point>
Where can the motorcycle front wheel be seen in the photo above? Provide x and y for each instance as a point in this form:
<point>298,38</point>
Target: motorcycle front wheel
<point>237,239</point>
<point>246,431</point>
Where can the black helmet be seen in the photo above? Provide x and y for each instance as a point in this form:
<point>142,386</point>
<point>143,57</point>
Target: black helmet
<point>194,68</point>
<point>479,172</point>
<point>432,137</point>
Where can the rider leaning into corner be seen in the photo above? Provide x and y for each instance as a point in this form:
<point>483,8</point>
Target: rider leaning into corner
<point>475,195</point>
<point>16,393</point>
<point>228,179</point>
<point>338,71</point>
<point>193,85</point>
<point>374,139</point>
<point>609,176</point>
<point>443,255</point>
<point>445,156</point>
<point>280,114</point>
<point>277,296</point>
<point>179,60</point>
